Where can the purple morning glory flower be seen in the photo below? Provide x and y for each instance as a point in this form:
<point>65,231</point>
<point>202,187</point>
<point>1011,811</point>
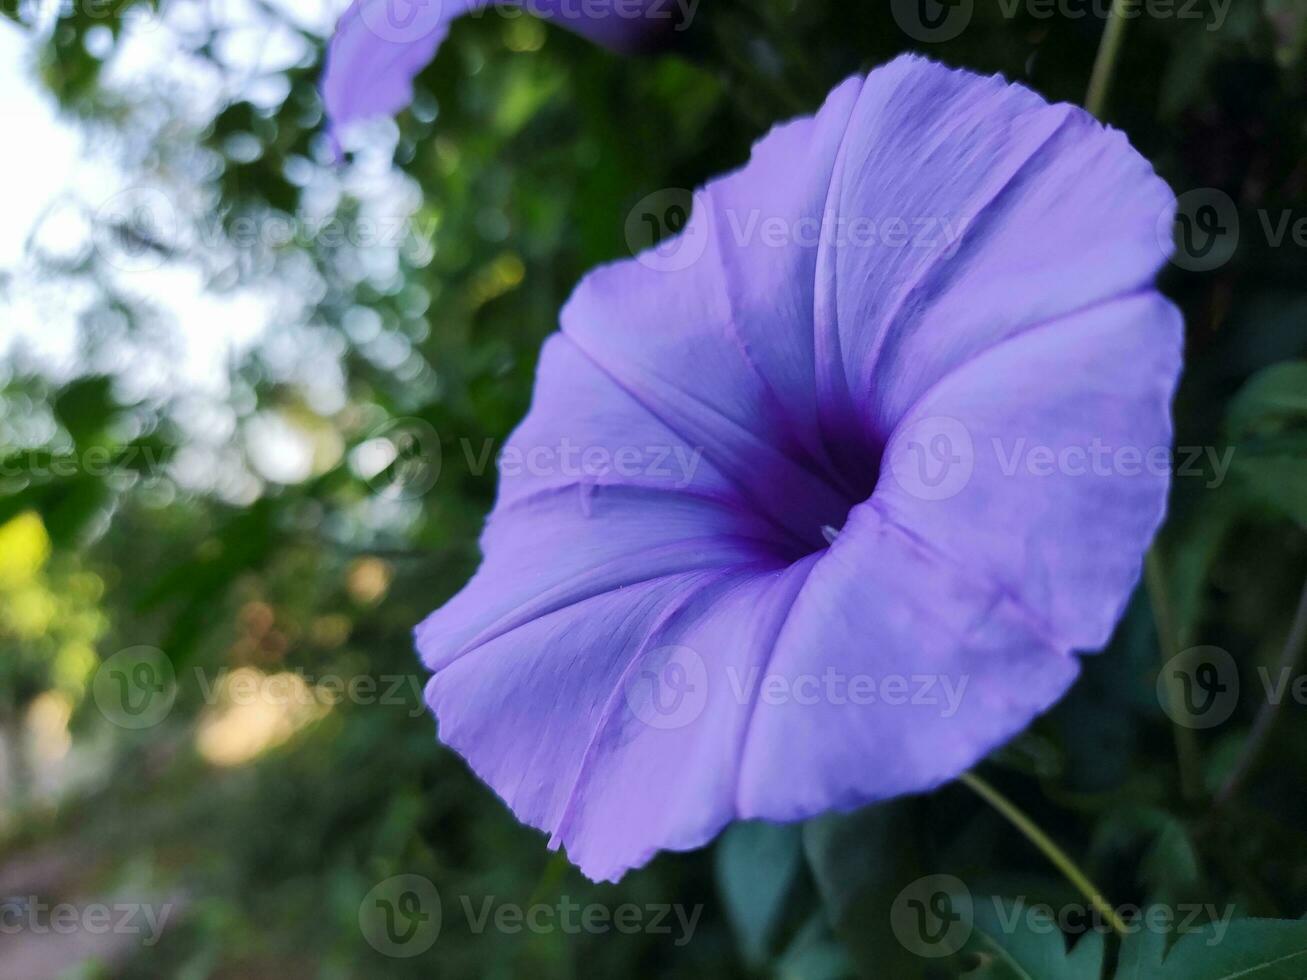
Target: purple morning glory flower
<point>816,502</point>
<point>380,45</point>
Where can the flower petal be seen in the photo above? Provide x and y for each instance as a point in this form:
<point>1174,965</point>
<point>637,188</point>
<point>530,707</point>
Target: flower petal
<point>715,334</point>
<point>613,763</point>
<point>921,667</point>
<point>992,211</point>
<point>1059,443</point>
<point>378,48</point>
<point>634,664</point>
<point>380,45</point>
<point>648,718</point>
<point>595,495</point>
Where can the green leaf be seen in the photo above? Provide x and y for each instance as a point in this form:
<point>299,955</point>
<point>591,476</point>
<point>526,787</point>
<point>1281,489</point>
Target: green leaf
<point>1273,397</point>
<point>815,955</point>
<point>71,506</point>
<point>1268,419</point>
<point>1141,955</point>
<point>1276,476</point>
<point>861,862</point>
<point>1015,941</point>
<point>757,864</point>
<point>1169,868</point>
<point>85,407</point>
<point>1247,949</point>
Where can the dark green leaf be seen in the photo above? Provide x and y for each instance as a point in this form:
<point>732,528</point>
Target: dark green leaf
<point>1248,949</point>
<point>862,861</point>
<point>1015,941</point>
<point>757,863</point>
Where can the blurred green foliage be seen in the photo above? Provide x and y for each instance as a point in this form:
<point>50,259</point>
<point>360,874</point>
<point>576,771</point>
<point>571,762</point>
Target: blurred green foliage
<point>521,157</point>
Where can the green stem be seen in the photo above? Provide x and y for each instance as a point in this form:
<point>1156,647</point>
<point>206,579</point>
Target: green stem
<point>1168,642</point>
<point>1047,847</point>
<point>1269,711</point>
<point>550,878</point>
<point>1100,79</point>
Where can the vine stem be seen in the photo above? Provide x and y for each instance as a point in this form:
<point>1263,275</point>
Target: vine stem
<point>1047,847</point>
<point>554,870</point>
<point>1168,642</point>
<point>1269,711</point>
<point>1100,79</point>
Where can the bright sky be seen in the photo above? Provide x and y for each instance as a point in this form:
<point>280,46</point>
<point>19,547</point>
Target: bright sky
<point>47,163</point>
<point>52,179</point>
<point>40,159</point>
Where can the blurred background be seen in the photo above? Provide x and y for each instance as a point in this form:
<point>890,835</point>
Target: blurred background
<point>249,400</point>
